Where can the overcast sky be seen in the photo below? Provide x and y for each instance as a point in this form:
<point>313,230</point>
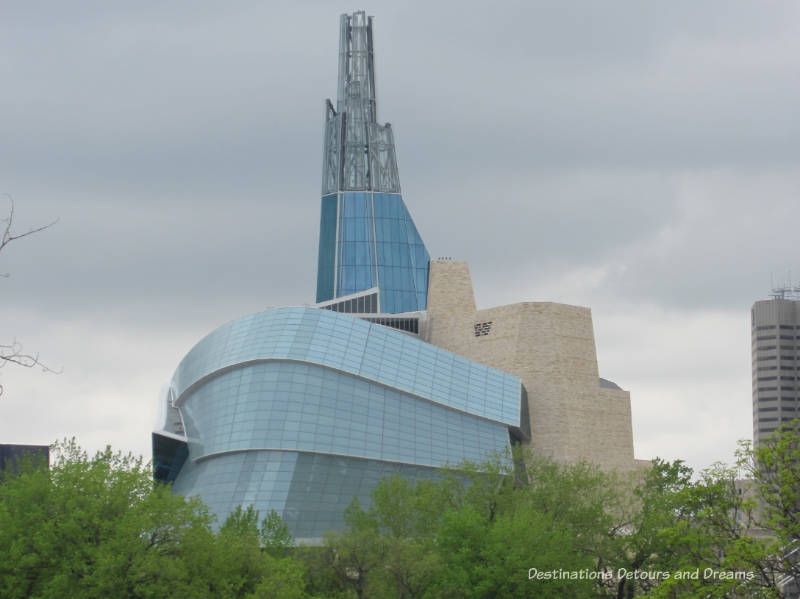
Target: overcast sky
<point>639,158</point>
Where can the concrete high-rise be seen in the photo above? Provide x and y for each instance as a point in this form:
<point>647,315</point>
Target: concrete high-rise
<point>775,331</point>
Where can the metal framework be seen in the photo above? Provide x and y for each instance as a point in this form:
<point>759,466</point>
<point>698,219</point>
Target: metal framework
<point>359,152</point>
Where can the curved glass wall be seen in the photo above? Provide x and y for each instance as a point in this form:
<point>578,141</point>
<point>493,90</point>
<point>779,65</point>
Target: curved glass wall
<point>299,410</point>
<point>296,406</point>
<point>357,347</point>
<point>310,491</point>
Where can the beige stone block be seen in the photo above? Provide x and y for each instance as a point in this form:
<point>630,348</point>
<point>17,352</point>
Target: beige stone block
<point>551,347</point>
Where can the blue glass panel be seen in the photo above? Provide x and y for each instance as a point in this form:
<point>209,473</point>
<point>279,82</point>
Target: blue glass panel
<point>356,262</point>
<point>327,248</point>
<point>391,231</point>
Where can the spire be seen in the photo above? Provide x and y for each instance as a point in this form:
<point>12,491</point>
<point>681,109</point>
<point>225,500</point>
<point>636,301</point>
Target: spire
<point>359,153</point>
<point>367,238</point>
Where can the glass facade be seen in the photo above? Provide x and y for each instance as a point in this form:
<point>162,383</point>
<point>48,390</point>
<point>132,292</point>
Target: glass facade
<point>368,239</point>
<point>311,491</point>
<point>327,248</point>
<point>299,406</point>
<point>360,348</point>
<point>300,409</point>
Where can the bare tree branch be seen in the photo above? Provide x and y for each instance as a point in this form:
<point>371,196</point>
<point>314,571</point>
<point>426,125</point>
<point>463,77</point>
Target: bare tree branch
<point>9,235</point>
<point>13,353</point>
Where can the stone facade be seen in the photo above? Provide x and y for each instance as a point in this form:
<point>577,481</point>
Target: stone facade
<point>574,415</point>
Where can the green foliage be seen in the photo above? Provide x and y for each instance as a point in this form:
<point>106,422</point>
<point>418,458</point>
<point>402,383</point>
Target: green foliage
<point>647,506</point>
<point>99,527</point>
<point>494,531</point>
<point>737,534</point>
<point>275,536</point>
<point>475,533</point>
<point>774,467</point>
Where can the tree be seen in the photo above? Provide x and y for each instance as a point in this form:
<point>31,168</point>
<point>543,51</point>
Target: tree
<point>542,529</point>
<point>742,535</point>
<point>521,535</point>
<point>13,352</point>
<point>354,557</point>
<point>774,469</point>
<point>477,532</point>
<point>646,504</point>
<point>100,527</point>
<point>93,526</point>
<point>275,537</point>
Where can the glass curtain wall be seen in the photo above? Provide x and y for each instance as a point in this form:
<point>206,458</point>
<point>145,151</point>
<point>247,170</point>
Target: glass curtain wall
<point>369,240</point>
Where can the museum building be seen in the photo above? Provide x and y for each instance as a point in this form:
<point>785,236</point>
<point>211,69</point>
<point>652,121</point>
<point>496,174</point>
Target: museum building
<point>393,371</point>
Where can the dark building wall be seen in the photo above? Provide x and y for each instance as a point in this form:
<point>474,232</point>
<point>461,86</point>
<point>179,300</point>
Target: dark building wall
<point>12,457</point>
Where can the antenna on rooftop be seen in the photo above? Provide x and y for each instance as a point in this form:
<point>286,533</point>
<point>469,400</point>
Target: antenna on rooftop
<point>787,290</point>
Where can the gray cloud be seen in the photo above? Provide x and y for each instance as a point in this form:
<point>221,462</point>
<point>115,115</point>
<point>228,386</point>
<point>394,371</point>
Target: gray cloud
<point>616,155</point>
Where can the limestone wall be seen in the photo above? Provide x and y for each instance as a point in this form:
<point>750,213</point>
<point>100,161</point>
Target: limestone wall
<point>551,348</point>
